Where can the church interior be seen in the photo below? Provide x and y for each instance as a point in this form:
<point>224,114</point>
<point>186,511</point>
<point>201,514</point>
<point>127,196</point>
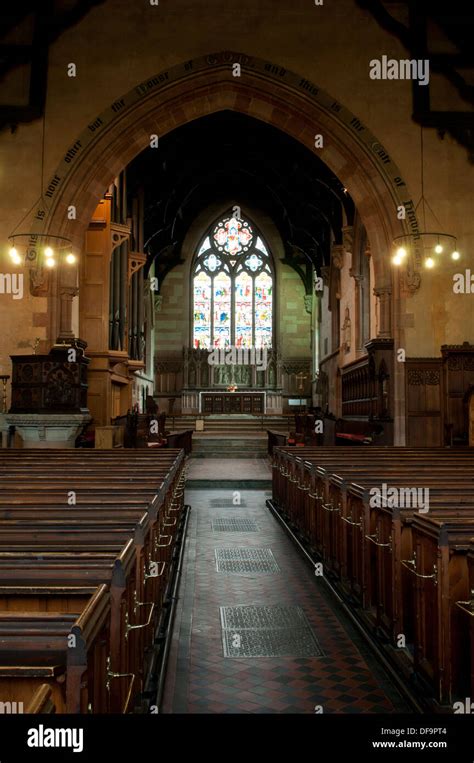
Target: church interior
<point>236,358</point>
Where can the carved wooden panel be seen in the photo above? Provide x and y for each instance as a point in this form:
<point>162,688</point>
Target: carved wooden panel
<point>49,383</point>
<point>459,374</point>
<point>424,402</point>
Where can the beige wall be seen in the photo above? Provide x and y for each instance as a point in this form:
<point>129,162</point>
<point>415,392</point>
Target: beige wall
<point>294,322</point>
<point>120,43</point>
<point>172,320</point>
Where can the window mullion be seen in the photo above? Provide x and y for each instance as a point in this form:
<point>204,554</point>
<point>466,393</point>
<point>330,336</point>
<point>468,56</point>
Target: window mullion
<point>212,311</point>
<point>253,312</point>
<point>232,309</point>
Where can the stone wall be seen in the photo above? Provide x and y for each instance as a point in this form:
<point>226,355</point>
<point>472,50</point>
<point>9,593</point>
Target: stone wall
<point>119,44</point>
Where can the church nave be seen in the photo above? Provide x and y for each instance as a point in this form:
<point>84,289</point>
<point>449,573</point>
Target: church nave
<point>335,673</point>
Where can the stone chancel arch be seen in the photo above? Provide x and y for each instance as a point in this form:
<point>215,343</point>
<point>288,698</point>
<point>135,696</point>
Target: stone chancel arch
<point>263,90</point>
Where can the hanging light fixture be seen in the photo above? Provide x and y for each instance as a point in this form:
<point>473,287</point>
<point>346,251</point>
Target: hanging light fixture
<point>39,248</point>
<point>432,243</point>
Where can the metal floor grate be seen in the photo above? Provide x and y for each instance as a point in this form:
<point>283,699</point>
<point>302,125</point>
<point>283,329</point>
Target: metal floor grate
<point>275,631</point>
<point>242,560</point>
<point>234,524</point>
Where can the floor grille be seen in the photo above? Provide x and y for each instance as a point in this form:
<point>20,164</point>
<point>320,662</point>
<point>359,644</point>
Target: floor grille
<point>245,560</point>
<point>268,631</point>
<point>234,524</point>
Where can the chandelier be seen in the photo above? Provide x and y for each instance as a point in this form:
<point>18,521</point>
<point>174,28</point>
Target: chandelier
<point>40,248</point>
<point>433,243</point>
<point>43,249</point>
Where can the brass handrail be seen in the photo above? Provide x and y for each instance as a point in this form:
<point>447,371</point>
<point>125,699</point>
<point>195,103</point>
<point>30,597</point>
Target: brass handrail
<point>111,674</point>
<point>331,507</point>
<point>129,627</point>
<point>163,545</point>
<point>375,540</point>
<point>350,522</point>
<point>467,606</point>
<point>410,565</point>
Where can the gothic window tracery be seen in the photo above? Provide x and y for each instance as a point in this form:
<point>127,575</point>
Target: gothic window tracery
<point>232,287</point>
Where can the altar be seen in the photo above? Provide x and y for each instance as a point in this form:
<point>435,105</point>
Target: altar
<point>232,402</point>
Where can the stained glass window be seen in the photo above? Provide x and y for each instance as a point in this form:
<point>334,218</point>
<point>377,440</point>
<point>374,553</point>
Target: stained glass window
<point>222,310</point>
<point>202,310</point>
<point>243,310</point>
<point>263,310</point>
<point>233,287</point>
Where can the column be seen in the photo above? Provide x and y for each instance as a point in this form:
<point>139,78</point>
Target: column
<point>384,296</point>
<point>67,293</point>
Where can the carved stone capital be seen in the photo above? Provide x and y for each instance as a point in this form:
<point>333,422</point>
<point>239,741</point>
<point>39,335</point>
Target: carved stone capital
<point>308,303</point>
<point>358,277</point>
<point>325,271</point>
<point>410,280</point>
<point>383,292</point>
<point>348,238</point>
<point>39,281</point>
<point>337,256</point>
<point>68,292</point>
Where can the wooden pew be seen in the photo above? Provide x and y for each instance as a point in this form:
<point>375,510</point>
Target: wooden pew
<point>57,552</point>
<point>439,573</point>
<point>63,650</point>
<point>365,547</point>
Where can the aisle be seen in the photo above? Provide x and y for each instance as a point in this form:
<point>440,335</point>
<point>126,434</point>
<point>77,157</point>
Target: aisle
<point>281,609</point>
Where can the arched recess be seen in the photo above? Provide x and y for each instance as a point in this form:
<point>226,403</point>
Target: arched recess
<point>263,90</point>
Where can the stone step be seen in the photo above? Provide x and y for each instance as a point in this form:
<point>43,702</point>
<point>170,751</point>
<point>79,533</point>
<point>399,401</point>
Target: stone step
<point>228,447</point>
<point>244,454</point>
<point>229,426</point>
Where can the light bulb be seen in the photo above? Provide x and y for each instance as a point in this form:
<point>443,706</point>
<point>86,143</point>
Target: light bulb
<point>15,257</point>
<point>455,255</point>
<point>401,252</point>
<point>70,258</point>
<point>429,262</point>
<point>48,252</point>
<point>438,248</point>
<point>397,260</point>
<point>50,263</point>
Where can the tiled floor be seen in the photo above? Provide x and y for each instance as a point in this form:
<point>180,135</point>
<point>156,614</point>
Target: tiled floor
<point>201,680</point>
